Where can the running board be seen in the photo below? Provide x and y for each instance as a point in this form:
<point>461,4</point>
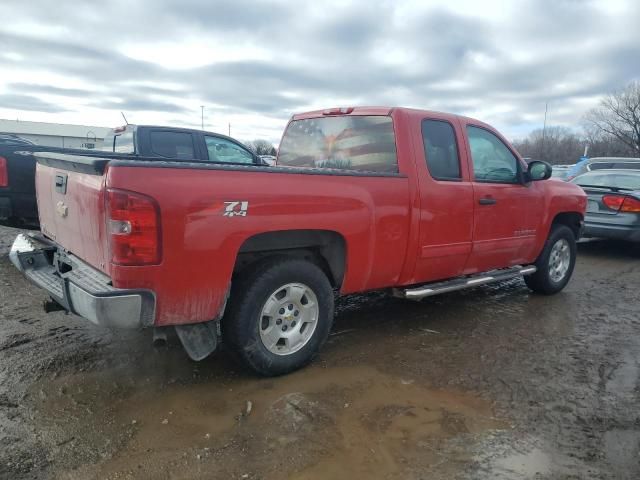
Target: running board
<point>430,289</point>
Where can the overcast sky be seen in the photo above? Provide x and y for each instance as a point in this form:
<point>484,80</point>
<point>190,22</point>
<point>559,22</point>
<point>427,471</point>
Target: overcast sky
<point>255,63</point>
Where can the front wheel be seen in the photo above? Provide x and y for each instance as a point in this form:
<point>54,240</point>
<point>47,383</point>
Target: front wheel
<point>280,315</point>
<point>556,262</point>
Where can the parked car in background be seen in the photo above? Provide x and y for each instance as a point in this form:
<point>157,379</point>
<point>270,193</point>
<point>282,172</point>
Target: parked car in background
<point>613,207</point>
<point>18,206</point>
<point>560,172</point>
<point>269,159</point>
<point>603,163</point>
<point>178,144</point>
<point>360,199</point>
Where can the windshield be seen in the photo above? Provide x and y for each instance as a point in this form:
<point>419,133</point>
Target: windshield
<point>628,181</point>
<point>364,143</point>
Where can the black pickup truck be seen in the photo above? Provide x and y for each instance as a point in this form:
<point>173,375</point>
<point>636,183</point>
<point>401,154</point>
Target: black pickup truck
<point>17,181</point>
<point>178,144</point>
<point>17,165</point>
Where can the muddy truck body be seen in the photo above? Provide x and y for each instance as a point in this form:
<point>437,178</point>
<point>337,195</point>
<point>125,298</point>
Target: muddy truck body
<point>411,201</point>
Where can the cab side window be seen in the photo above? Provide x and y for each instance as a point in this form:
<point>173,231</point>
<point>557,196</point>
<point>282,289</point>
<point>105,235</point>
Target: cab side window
<point>441,150</point>
<point>178,145</point>
<point>493,162</point>
<point>224,151</point>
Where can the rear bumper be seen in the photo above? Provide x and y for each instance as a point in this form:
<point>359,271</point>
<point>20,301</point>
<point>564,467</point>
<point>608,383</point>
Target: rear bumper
<point>619,232</point>
<point>80,288</point>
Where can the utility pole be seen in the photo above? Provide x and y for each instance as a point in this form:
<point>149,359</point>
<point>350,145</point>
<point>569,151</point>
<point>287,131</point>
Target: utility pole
<point>544,128</point>
<point>229,128</point>
<point>202,117</point>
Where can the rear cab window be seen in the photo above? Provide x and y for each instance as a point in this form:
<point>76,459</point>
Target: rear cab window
<point>357,143</point>
<point>603,178</point>
<point>177,145</point>
<point>123,142</point>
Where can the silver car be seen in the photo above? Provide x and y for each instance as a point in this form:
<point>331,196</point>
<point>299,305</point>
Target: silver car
<point>603,163</point>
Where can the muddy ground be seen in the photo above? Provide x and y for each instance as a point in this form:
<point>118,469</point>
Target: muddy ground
<point>492,383</point>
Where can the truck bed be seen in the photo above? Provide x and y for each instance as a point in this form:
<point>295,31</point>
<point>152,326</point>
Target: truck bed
<point>201,236</point>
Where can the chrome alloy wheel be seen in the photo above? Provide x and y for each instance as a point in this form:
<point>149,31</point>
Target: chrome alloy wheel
<point>559,260</point>
<point>288,319</point>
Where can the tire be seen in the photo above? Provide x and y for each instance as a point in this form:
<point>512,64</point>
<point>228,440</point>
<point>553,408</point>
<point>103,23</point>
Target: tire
<point>548,280</point>
<point>255,316</point>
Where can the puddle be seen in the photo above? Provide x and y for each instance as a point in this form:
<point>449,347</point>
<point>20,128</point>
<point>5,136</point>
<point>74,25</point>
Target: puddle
<point>525,465</point>
<point>317,423</point>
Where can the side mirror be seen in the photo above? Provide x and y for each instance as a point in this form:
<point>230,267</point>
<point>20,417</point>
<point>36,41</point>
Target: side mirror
<point>538,170</point>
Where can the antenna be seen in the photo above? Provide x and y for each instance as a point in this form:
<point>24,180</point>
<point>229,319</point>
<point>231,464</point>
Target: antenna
<point>544,128</point>
<point>125,118</point>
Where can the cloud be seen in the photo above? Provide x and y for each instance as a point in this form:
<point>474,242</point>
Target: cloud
<point>254,63</point>
<point>37,89</point>
<point>30,103</point>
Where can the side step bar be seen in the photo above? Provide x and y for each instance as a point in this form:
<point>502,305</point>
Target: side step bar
<point>430,289</point>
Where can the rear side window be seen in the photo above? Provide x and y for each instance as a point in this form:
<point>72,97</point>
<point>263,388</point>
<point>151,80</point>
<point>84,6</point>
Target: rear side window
<point>123,143</point>
<point>627,165</point>
<point>363,143</point>
<point>441,150</point>
<point>177,145</point>
<point>600,166</point>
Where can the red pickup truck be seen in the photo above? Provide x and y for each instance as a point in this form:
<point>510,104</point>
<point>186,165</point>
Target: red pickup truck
<point>413,201</point>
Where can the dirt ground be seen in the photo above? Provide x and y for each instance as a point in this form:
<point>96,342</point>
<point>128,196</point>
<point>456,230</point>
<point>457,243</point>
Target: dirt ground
<point>490,383</point>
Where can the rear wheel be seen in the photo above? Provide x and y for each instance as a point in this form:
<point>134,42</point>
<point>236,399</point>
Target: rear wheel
<point>280,315</point>
<point>556,262</point>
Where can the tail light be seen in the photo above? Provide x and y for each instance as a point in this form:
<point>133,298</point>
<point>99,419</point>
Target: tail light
<point>613,202</point>
<point>630,205</point>
<point>133,228</point>
<point>621,203</point>
<point>4,173</point>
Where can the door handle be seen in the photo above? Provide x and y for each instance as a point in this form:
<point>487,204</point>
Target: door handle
<point>487,201</point>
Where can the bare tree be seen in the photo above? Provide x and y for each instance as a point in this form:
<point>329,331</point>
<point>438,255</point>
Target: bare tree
<point>602,144</point>
<point>261,147</point>
<point>558,145</point>
<point>619,116</point>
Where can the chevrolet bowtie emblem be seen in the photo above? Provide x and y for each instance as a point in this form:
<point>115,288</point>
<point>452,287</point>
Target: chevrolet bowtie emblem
<point>62,209</point>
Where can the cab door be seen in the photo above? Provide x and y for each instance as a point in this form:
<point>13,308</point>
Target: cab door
<point>446,199</point>
<point>507,211</point>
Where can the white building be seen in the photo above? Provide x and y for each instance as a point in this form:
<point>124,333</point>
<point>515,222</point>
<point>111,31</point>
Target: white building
<point>56,134</point>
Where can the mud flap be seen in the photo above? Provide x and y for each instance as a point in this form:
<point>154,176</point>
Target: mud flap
<point>198,339</point>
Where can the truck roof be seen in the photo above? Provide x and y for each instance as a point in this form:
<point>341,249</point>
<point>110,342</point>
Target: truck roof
<point>134,126</point>
<point>378,110</point>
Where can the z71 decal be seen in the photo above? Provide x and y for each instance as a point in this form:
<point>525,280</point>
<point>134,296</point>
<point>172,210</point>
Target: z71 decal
<point>235,209</point>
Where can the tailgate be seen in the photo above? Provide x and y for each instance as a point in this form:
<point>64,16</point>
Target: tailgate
<point>71,203</point>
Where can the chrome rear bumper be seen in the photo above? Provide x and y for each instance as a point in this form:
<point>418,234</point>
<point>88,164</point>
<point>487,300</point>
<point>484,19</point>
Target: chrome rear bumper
<point>80,288</point>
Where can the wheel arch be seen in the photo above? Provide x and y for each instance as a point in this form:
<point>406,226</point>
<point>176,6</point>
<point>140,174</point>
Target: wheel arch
<point>326,248</point>
<point>573,220</point>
